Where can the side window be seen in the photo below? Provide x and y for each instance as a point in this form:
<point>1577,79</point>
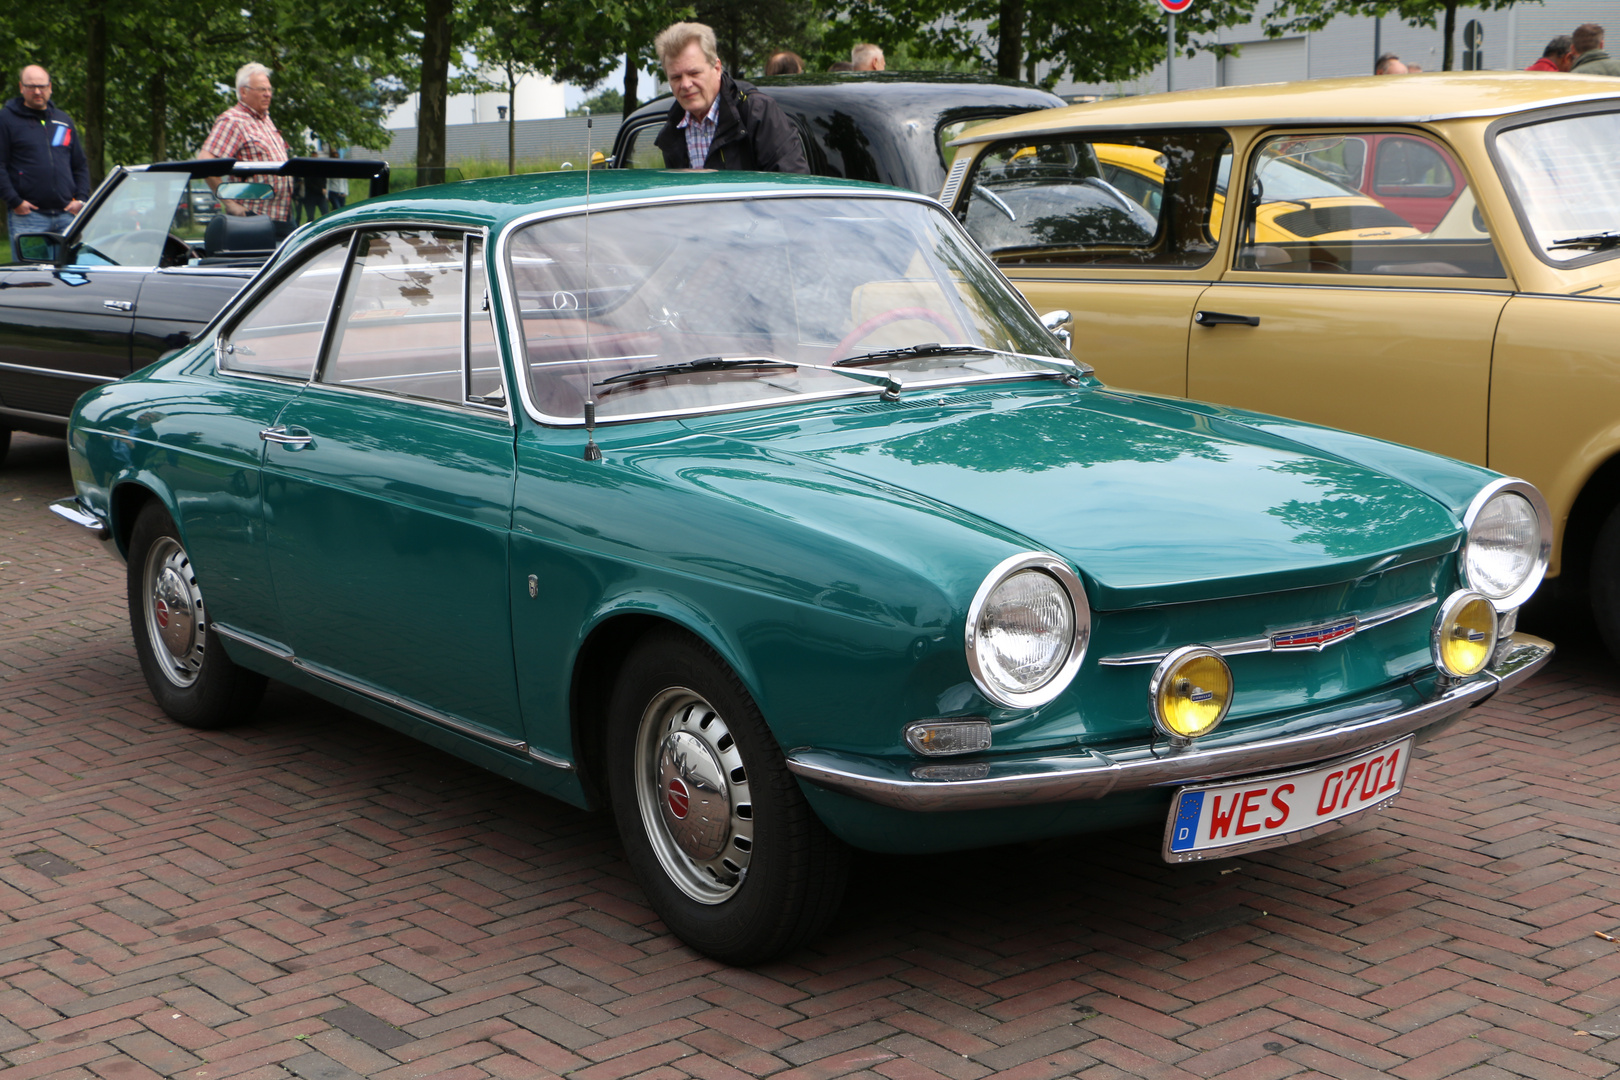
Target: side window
<point>1299,217</point>
<point>1414,168</point>
<point>281,333</point>
<point>1149,200</point>
<point>400,327</point>
<point>639,151</point>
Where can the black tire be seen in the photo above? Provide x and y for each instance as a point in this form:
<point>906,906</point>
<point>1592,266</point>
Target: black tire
<point>5,443</point>
<point>757,874</point>
<point>187,670</point>
<point>1604,578</point>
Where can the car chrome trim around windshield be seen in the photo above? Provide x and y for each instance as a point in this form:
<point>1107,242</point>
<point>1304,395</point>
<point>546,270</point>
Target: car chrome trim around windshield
<point>514,329</point>
<point>1084,774</point>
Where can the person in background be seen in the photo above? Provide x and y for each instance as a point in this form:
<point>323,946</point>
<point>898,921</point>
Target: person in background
<point>841,65</point>
<point>718,122</point>
<point>1390,64</point>
<point>44,176</point>
<point>337,188</point>
<point>784,63</point>
<point>1586,55</point>
<point>245,132</point>
<point>866,57</point>
<point>1555,57</point>
<point>315,196</point>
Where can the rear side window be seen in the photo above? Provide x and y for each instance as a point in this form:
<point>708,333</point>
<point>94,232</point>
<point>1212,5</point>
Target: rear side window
<point>1147,200</point>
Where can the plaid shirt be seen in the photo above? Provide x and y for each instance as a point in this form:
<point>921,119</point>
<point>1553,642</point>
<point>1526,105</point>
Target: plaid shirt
<point>700,134</point>
<point>243,134</point>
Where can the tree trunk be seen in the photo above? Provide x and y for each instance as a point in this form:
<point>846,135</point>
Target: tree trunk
<point>1010,48</point>
<point>632,75</point>
<point>432,99</point>
<point>1451,34</point>
<point>159,88</point>
<point>95,94</point>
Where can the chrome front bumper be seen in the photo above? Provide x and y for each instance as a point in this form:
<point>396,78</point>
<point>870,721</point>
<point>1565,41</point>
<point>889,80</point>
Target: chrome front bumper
<point>1088,774</point>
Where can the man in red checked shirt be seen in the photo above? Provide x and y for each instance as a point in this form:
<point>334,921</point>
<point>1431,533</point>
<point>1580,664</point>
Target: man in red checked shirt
<point>245,132</point>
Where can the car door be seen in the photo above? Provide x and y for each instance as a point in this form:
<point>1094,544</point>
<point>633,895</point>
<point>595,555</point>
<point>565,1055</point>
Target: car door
<point>388,491</point>
<point>63,330</point>
<point>1349,328</point>
<point>1129,263</point>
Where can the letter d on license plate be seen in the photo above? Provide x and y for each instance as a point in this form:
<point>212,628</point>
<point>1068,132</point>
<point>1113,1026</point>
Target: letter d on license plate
<point>1209,821</point>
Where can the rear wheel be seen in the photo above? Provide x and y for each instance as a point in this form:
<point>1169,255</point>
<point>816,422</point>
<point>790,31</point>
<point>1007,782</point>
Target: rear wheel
<point>185,667</point>
<point>730,854</point>
<point>5,443</point>
<point>1604,576</point>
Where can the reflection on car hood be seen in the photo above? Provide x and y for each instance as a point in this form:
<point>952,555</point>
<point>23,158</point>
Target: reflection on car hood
<point>1153,503</point>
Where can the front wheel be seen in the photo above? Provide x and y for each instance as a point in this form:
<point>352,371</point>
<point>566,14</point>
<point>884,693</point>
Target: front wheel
<point>187,670</point>
<point>730,854</point>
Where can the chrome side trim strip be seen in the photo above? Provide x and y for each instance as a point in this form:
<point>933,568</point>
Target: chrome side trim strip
<point>1267,643</point>
<point>57,373</point>
<point>1088,774</point>
<point>406,705</point>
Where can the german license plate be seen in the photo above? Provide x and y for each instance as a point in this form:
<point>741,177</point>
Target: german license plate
<point>1210,821</point>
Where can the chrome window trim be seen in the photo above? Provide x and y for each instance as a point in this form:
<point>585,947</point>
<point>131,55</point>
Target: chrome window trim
<point>1266,643</point>
<point>405,705</point>
<point>1538,503</point>
<point>1078,603</point>
<point>373,394</point>
<point>501,252</point>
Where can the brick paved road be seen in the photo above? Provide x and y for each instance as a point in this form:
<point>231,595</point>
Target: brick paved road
<point>315,896</point>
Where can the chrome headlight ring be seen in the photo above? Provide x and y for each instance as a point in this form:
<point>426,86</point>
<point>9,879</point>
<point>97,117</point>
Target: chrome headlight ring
<point>1067,663</point>
<point>1517,594</point>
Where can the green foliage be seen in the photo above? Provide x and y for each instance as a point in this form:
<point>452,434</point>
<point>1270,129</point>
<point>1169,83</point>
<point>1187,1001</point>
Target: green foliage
<point>606,103</point>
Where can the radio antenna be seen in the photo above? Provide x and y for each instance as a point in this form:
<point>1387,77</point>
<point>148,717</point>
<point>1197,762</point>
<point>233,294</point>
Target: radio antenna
<point>592,451</point>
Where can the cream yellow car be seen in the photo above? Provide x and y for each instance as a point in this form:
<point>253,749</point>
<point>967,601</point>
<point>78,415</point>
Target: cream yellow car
<point>1490,337</point>
<point>1299,203</point>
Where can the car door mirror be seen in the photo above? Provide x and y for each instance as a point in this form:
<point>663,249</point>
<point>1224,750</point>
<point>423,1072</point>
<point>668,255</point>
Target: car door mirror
<point>44,247</point>
<point>1054,321</point>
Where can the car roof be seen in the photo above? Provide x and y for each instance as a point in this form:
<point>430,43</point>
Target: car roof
<point>1381,99</point>
<point>494,201</point>
<point>886,91</point>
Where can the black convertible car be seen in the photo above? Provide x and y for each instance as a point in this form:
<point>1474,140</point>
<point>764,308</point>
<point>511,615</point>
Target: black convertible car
<point>887,126</point>
<point>137,275</point>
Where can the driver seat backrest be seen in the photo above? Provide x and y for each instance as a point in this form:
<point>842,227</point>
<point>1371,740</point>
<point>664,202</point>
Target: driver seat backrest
<point>239,237</point>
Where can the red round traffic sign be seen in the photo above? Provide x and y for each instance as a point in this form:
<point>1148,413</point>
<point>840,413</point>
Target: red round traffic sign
<point>1175,7</point>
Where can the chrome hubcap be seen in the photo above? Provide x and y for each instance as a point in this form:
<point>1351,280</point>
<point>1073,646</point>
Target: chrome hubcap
<point>693,795</point>
<point>174,612</point>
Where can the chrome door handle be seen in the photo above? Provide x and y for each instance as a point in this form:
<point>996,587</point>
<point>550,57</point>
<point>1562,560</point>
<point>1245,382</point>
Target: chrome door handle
<point>291,438</point>
<point>119,305</point>
<point>1217,318</point>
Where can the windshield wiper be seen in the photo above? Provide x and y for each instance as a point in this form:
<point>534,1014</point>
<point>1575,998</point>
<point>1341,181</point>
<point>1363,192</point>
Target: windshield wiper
<point>891,386</point>
<point>1071,370</point>
<point>1601,241</point>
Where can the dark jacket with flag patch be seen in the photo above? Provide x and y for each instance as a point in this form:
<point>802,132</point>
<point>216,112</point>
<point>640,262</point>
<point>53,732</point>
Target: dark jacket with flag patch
<point>41,157</point>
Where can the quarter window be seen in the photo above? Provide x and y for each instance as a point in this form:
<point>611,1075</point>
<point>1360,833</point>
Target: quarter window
<point>281,334</point>
<point>1136,200</point>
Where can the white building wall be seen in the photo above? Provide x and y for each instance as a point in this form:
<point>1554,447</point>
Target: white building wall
<point>536,99</point>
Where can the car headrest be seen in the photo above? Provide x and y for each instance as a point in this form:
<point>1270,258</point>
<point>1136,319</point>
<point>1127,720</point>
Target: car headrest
<point>228,236</point>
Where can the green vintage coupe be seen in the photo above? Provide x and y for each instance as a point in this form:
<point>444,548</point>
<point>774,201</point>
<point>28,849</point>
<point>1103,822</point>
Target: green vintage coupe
<point>763,511</point>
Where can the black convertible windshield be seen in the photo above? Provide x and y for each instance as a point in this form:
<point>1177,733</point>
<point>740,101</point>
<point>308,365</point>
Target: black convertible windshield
<point>808,281</point>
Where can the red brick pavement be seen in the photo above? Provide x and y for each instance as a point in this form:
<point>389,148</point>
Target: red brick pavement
<point>315,896</point>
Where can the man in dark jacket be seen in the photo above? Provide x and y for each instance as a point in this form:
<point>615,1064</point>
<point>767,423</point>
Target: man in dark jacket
<point>44,177</point>
<point>1586,55</point>
<point>718,122</point>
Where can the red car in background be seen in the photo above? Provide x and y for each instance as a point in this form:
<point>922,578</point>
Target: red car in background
<point>1412,177</point>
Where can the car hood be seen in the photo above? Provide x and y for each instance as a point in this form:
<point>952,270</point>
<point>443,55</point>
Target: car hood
<point>1152,502</point>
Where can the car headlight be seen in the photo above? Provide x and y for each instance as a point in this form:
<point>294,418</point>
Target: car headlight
<point>1027,630</point>
<point>1464,634</point>
<point>1509,541</point>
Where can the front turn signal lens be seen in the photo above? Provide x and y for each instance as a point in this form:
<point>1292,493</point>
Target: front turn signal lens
<point>1190,692</point>
<point>1464,634</point>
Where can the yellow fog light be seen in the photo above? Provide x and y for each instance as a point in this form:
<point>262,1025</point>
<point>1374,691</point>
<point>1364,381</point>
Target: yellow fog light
<point>1190,693</point>
<point>1464,634</point>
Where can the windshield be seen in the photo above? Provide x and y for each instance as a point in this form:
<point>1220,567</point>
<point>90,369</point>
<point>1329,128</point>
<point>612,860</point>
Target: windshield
<point>131,225</point>
<point>797,280</point>
<point>1563,174</point>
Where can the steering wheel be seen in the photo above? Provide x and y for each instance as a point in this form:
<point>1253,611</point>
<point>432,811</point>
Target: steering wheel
<point>842,350</point>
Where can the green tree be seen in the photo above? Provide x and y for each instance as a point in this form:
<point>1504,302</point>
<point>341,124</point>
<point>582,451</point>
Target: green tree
<point>1295,16</point>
